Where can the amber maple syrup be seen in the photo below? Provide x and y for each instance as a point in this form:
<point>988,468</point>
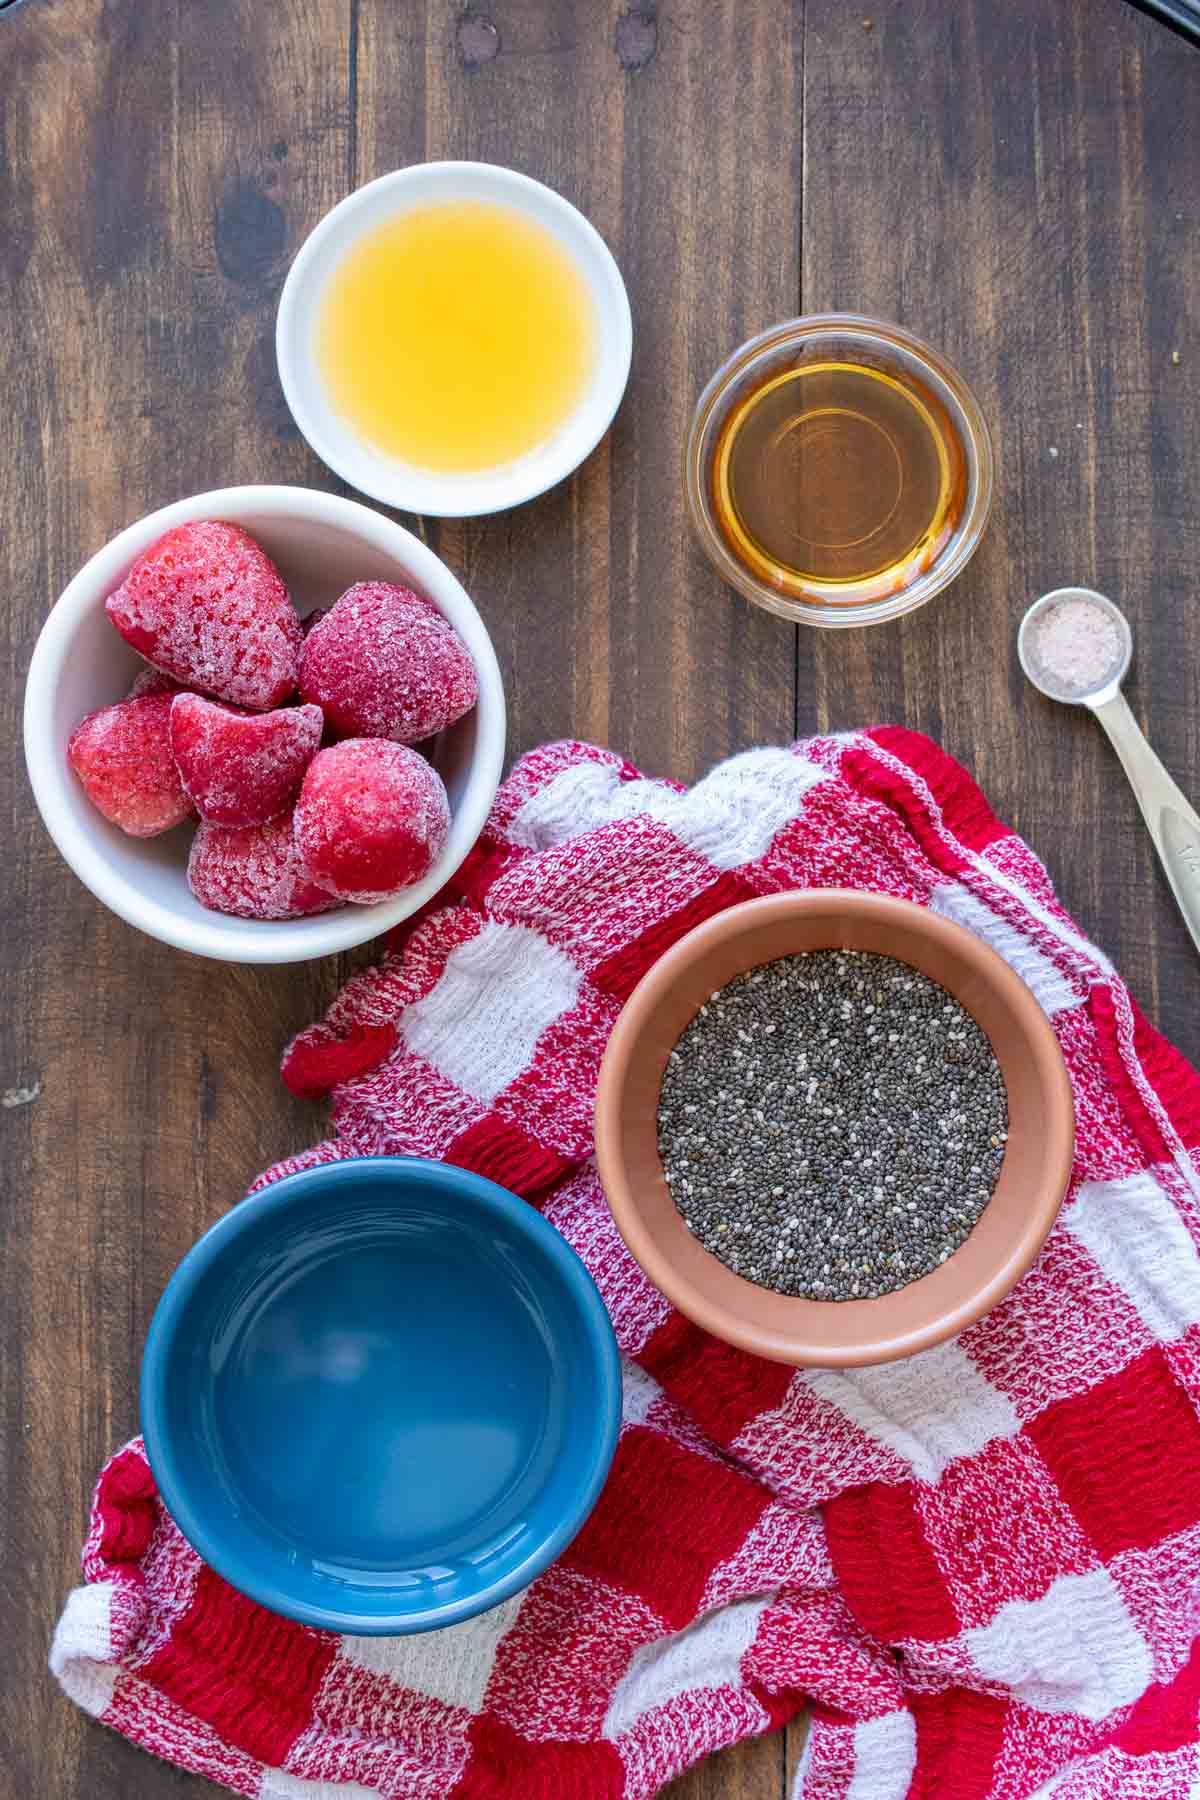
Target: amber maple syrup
<point>838,480</point>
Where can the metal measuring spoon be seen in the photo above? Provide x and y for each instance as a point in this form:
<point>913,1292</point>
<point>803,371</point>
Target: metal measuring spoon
<point>1173,824</point>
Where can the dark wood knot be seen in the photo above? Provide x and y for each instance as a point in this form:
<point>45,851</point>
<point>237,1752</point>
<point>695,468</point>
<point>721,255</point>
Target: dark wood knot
<point>637,37</point>
<point>250,232</point>
<point>476,40</point>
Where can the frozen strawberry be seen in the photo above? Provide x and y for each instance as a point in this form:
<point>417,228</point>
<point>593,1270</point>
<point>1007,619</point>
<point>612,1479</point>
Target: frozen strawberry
<point>208,606</point>
<point>384,663</point>
<point>253,872</point>
<point>242,768</point>
<point>122,755</point>
<point>372,818</point>
<point>152,681</point>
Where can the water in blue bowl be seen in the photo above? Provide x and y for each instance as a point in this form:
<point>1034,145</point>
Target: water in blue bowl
<point>381,1395</point>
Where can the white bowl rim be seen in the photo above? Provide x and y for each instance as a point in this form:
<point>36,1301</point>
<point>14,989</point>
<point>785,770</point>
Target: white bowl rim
<point>247,940</point>
<point>488,491</point>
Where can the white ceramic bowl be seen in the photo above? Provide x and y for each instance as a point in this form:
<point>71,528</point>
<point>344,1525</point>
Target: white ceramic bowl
<point>321,544</point>
<point>369,469</point>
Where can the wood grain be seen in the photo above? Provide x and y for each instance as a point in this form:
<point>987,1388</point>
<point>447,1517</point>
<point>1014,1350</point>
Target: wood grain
<point>1015,183</point>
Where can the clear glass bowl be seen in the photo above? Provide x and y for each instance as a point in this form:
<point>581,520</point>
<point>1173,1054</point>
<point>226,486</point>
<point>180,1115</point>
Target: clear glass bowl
<point>912,365</point>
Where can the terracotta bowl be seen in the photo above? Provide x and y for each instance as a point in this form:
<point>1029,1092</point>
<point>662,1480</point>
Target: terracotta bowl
<point>1016,1220</point>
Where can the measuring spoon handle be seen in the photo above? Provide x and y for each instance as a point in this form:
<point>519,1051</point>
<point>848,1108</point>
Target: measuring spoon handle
<point>1172,822</point>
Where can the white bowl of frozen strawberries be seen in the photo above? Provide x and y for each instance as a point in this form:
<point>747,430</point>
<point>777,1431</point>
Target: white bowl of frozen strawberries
<point>264,724</point>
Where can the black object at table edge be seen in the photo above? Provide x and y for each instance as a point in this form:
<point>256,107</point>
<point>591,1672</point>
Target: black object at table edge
<point>1182,16</point>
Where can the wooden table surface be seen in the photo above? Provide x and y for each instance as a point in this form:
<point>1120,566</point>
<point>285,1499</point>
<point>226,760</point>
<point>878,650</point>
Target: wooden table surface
<point>1017,182</point>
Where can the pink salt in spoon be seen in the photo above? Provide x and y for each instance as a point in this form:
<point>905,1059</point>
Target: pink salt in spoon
<point>1076,646</point>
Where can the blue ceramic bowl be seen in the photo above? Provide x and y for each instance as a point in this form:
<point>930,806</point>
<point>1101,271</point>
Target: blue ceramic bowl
<point>380,1396</point>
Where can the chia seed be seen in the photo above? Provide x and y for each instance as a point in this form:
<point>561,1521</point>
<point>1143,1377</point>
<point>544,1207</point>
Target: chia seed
<point>832,1124</point>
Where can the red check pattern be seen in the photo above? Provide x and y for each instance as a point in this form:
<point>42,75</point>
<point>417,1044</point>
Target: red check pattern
<point>980,1569</point>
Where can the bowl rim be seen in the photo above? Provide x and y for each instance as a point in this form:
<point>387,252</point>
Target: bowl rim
<point>876,333</point>
<point>340,1180</point>
<point>488,491</point>
<point>224,938</point>
<point>796,1348</point>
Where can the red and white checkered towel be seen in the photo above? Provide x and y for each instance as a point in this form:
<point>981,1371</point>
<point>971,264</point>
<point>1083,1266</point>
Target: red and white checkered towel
<point>979,1568</point>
